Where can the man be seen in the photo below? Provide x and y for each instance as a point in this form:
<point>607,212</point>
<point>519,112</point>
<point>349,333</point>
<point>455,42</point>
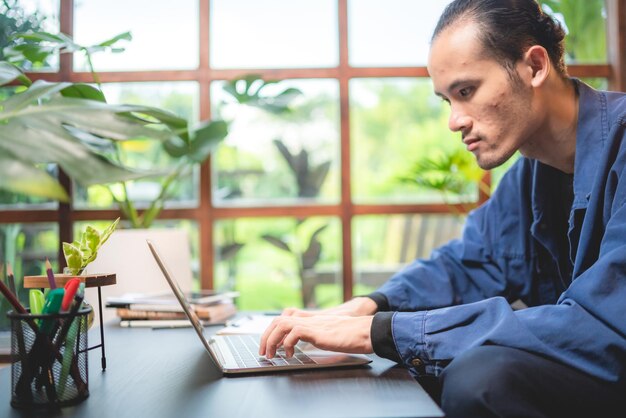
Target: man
<point>552,235</point>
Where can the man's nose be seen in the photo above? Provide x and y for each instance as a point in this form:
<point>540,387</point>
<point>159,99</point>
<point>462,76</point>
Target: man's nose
<point>459,120</point>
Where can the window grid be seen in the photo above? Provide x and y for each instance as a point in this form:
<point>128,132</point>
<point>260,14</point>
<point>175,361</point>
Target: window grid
<point>206,214</point>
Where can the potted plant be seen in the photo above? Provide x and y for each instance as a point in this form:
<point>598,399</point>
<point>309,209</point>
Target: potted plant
<point>79,253</point>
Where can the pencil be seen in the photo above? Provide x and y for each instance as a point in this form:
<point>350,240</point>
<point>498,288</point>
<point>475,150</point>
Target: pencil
<point>11,279</point>
<point>53,284</point>
<point>12,299</point>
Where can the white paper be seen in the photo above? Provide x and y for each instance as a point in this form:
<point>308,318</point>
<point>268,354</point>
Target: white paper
<point>251,324</point>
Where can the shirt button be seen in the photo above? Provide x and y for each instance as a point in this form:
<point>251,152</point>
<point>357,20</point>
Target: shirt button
<point>417,362</point>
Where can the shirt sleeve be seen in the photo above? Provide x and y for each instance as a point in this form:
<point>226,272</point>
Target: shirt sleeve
<point>492,257</point>
<point>585,328</point>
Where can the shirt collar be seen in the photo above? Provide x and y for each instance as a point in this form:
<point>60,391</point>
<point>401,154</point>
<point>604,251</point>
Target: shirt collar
<point>591,134</point>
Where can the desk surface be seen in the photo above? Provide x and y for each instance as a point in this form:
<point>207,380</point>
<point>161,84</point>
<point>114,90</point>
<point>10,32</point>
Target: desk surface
<point>168,373</point>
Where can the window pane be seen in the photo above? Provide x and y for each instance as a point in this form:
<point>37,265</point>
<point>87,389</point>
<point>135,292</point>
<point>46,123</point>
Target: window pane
<point>249,166</point>
<point>26,16</point>
<point>274,34</point>
<point>164,36</point>
<point>396,123</point>
<point>276,263</point>
<point>26,247</point>
<point>180,98</point>
<point>585,24</point>
<point>384,244</point>
<point>386,33</point>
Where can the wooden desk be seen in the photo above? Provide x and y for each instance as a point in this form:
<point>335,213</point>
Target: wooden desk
<point>167,373</point>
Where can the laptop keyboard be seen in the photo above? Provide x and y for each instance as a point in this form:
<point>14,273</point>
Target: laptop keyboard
<point>245,349</point>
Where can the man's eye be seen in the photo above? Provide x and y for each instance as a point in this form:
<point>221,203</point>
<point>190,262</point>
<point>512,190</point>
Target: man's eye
<point>465,92</point>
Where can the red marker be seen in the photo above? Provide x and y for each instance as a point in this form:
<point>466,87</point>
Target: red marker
<point>71,286</point>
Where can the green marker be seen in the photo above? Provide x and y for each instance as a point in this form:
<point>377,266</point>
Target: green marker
<point>52,306</point>
<point>70,340</point>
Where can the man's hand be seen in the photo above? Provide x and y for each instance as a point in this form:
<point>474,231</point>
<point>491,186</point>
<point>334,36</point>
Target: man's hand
<point>355,307</point>
<point>346,334</point>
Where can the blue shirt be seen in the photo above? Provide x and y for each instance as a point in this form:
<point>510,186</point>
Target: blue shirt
<point>460,297</point>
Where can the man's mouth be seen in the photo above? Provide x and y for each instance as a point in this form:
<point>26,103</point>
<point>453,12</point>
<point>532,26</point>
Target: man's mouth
<point>471,143</point>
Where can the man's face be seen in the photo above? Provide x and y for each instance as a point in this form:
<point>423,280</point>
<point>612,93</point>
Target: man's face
<point>489,107</point>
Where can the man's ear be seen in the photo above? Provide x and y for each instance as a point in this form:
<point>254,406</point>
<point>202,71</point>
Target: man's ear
<point>539,64</point>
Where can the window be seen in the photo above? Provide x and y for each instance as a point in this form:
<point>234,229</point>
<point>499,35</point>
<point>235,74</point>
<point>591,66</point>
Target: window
<point>367,112</point>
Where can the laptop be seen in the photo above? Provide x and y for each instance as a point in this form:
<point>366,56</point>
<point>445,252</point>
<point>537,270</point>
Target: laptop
<point>235,354</point>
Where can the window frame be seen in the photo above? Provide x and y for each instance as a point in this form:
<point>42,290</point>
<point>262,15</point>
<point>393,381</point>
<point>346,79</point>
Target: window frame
<point>205,214</point>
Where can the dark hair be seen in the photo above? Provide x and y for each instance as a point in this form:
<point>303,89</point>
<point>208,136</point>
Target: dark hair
<point>508,28</point>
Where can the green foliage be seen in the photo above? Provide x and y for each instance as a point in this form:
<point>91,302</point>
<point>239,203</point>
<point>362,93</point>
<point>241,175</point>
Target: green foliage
<point>309,177</point>
<point>83,251</point>
<point>404,121</point>
<point>36,48</point>
<point>585,26</point>
<point>79,130</point>
<point>306,251</point>
<point>13,19</point>
<point>448,172</point>
<point>47,123</point>
<point>247,91</point>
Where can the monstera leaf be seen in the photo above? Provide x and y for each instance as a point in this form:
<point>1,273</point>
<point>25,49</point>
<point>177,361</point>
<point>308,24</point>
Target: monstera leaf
<point>51,122</point>
<point>247,90</point>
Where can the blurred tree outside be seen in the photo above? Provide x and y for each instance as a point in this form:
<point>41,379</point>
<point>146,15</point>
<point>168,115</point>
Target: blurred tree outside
<point>301,166</point>
<point>249,169</point>
<point>267,279</point>
<point>585,24</point>
<point>14,19</point>
<point>144,154</point>
<point>393,122</point>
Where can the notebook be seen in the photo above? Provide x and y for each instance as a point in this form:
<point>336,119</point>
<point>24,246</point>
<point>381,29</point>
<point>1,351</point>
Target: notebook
<point>235,354</point>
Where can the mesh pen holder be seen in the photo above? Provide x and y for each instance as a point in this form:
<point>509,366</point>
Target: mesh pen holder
<point>49,359</point>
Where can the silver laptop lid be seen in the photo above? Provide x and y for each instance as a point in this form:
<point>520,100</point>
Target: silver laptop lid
<point>222,355</point>
<point>195,321</point>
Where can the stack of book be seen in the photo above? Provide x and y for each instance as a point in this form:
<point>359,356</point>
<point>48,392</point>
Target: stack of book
<point>164,311</point>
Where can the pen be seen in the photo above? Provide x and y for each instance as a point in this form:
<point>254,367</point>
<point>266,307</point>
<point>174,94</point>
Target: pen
<point>51,281</point>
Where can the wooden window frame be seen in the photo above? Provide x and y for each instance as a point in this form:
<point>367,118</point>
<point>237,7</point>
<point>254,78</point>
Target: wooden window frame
<point>206,213</point>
